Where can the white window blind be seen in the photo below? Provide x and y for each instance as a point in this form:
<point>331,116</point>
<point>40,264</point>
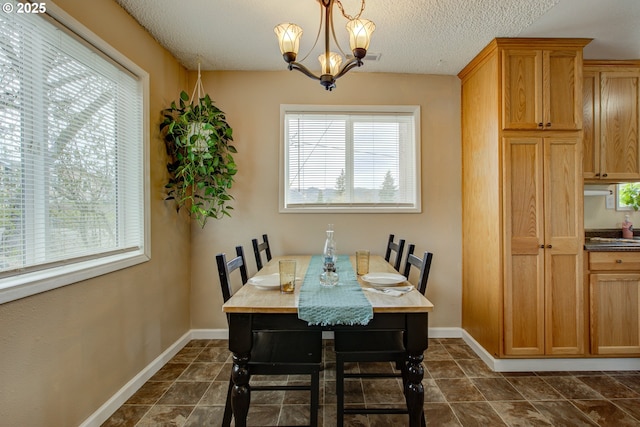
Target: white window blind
<point>350,159</point>
<point>71,152</point>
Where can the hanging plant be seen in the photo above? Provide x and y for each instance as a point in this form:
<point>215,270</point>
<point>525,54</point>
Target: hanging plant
<point>198,140</point>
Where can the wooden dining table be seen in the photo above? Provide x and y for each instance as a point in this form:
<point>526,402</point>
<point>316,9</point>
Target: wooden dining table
<point>253,308</point>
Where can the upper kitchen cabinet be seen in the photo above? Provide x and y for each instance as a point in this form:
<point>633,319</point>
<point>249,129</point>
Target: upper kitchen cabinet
<point>542,86</point>
<point>611,145</point>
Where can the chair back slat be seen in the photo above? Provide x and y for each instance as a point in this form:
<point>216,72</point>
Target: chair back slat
<point>423,265</point>
<point>225,268</point>
<point>398,248</point>
<point>259,247</point>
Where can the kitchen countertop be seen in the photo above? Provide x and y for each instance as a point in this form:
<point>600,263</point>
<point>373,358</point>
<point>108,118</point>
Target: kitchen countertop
<point>611,246</point>
<point>610,240</point>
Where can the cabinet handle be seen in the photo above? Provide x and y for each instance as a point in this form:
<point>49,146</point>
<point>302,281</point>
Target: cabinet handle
<point>605,175</point>
<point>541,246</point>
<point>540,124</point>
<point>598,174</point>
<point>549,246</point>
<point>549,124</point>
<point>619,261</point>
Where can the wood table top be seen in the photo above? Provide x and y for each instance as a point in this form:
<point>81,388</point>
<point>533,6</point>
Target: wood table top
<point>251,299</point>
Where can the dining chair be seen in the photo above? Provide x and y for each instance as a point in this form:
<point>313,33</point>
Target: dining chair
<point>259,247</point>
<point>394,247</point>
<point>423,265</point>
<point>376,346</point>
<point>285,352</point>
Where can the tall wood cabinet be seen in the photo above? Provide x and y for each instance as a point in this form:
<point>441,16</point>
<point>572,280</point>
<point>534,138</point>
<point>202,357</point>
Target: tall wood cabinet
<point>523,288</point>
<point>611,106</point>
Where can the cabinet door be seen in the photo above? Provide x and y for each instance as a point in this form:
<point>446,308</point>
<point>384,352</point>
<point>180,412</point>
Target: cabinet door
<point>544,288</point>
<point>524,256</point>
<point>563,233</point>
<point>590,124</point>
<point>619,125</point>
<point>522,89</point>
<point>615,317</point>
<point>542,89</point>
<point>562,89</point>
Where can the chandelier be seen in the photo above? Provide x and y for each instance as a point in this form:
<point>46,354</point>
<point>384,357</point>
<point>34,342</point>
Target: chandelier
<point>330,62</point>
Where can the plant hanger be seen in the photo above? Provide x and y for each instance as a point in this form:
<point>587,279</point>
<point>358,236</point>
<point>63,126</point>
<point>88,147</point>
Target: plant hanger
<point>198,87</point>
<point>201,168</point>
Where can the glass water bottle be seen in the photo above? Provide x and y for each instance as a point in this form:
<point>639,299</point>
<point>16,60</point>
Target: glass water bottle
<point>329,276</point>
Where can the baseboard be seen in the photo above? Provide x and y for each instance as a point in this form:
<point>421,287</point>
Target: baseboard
<point>117,400</point>
<point>558,364</point>
<point>445,333</point>
<point>209,334</point>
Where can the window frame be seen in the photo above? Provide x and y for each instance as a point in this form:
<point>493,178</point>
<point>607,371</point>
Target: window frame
<point>409,110</point>
<point>22,285</point>
<point>620,207</point>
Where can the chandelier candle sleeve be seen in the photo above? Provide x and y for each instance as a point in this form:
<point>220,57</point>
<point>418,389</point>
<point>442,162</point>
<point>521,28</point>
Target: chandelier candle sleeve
<point>360,31</point>
<point>289,40</point>
<point>335,61</point>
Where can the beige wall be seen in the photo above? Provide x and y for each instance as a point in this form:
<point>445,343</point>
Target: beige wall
<point>64,353</point>
<point>251,101</point>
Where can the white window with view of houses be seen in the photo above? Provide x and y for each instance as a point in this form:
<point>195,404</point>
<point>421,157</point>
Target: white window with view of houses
<point>350,159</point>
<point>73,192</point>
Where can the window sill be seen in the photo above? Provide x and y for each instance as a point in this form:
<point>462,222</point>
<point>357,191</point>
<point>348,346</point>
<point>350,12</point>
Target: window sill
<point>352,209</point>
<point>28,284</point>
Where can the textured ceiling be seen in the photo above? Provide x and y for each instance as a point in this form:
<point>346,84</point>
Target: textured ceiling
<point>411,36</point>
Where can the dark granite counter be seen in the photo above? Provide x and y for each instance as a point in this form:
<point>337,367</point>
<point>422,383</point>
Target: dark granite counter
<point>611,246</point>
<point>592,242</point>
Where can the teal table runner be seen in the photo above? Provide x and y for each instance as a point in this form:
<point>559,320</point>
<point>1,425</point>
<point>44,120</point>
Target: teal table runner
<point>343,304</point>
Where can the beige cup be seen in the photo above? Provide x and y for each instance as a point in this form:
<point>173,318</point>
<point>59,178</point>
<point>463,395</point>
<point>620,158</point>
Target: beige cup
<point>287,275</point>
<point>362,262</point>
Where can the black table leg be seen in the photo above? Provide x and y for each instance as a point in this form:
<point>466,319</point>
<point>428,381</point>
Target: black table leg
<point>414,390</point>
<point>240,342</point>
<point>416,343</point>
<point>240,392</point>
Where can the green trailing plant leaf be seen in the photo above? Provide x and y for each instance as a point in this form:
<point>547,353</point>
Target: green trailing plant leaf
<point>201,168</point>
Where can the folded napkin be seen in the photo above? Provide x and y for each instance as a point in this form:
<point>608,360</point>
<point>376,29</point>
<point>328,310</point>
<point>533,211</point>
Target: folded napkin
<point>343,304</point>
<point>396,291</point>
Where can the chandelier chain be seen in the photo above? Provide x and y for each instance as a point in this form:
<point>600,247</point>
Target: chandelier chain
<point>349,17</point>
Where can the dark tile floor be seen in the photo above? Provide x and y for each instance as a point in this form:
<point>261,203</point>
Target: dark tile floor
<point>460,390</point>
